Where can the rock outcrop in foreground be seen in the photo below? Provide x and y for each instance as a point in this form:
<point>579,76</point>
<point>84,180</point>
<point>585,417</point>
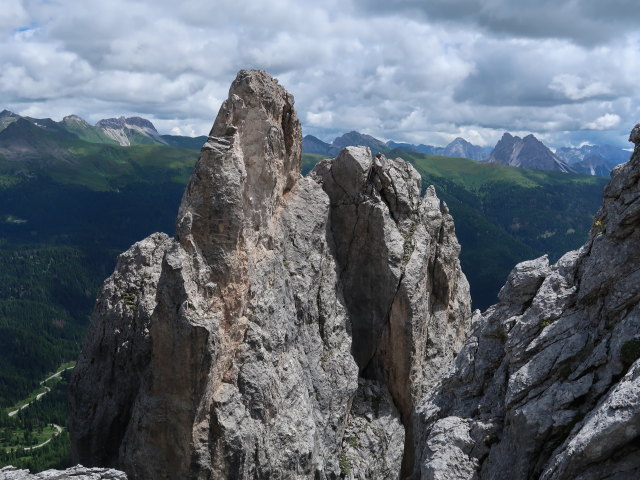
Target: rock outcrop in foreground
<point>548,384</point>
<point>75,473</point>
<point>290,328</point>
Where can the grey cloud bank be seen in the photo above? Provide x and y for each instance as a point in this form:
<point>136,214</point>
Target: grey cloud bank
<point>423,72</point>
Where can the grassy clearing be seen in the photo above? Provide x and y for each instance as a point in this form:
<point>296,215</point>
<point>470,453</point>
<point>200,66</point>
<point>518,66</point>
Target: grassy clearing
<point>309,161</point>
<point>16,439</point>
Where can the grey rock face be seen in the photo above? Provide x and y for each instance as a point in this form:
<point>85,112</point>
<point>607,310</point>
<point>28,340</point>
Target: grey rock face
<point>76,473</point>
<point>206,357</point>
<point>546,386</point>
<point>373,443</point>
<point>407,298</point>
<point>288,316</point>
<point>527,152</point>
<point>124,130</point>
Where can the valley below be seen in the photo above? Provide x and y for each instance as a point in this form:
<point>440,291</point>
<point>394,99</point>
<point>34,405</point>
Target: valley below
<point>33,432</point>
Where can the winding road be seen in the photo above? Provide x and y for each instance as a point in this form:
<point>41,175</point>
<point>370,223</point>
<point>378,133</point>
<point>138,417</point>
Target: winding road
<point>40,395</point>
<point>58,432</point>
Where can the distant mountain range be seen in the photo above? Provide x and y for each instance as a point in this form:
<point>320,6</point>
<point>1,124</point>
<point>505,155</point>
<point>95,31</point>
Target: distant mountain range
<point>110,131</point>
<point>527,152</point>
<point>458,148</point>
<point>27,137</point>
<point>596,160</point>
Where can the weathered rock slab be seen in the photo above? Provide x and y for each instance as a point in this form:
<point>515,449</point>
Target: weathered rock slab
<point>74,473</point>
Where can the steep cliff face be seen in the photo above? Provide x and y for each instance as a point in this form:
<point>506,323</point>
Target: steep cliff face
<point>289,328</point>
<point>547,385</point>
<point>397,255</point>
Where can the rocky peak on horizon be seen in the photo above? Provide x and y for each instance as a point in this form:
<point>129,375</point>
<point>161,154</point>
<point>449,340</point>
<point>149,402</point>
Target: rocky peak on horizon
<point>593,159</point>
<point>128,131</point>
<point>354,138</point>
<point>7,118</point>
<point>126,122</point>
<point>461,148</point>
<point>7,113</point>
<point>120,131</point>
<point>311,144</point>
<point>75,118</point>
<point>596,160</point>
<point>527,152</point>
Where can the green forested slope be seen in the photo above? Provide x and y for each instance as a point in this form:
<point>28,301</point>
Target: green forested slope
<point>65,214</point>
<point>36,424</point>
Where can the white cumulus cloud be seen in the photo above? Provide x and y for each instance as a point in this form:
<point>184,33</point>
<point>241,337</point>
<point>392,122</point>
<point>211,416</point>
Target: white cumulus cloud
<point>408,70</point>
<point>605,122</point>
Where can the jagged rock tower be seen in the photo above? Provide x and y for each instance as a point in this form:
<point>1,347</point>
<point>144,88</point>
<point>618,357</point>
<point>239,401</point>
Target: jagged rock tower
<point>290,328</point>
<point>548,384</point>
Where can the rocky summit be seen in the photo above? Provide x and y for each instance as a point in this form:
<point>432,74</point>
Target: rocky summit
<point>307,328</point>
<point>527,152</point>
<point>290,328</point>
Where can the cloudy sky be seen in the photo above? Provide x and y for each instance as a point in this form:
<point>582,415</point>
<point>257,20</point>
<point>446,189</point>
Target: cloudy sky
<point>422,71</point>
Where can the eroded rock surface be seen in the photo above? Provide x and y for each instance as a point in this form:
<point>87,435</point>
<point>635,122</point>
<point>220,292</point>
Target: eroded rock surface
<point>397,255</point>
<point>547,385</point>
<point>74,473</point>
<point>288,316</point>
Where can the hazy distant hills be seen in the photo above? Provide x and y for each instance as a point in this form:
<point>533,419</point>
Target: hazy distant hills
<point>34,148</point>
<point>408,147</point>
<point>110,131</point>
<point>32,136</point>
<point>311,144</point>
<point>457,148</point>
<point>460,148</point>
<point>611,154</point>
<point>527,152</point>
<point>593,159</point>
<point>355,138</point>
<point>314,145</point>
